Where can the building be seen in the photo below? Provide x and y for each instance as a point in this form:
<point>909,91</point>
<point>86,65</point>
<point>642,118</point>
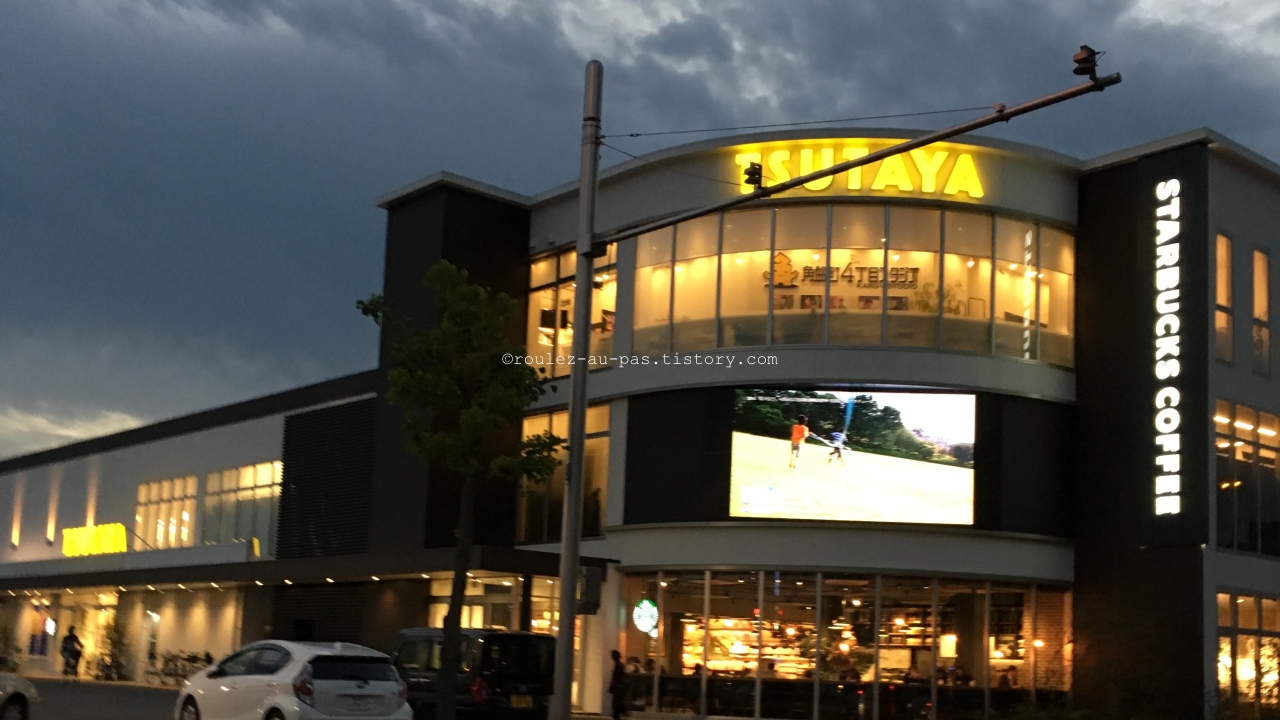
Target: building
<point>969,427</point>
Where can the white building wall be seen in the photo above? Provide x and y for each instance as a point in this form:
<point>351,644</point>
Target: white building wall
<point>119,472</point>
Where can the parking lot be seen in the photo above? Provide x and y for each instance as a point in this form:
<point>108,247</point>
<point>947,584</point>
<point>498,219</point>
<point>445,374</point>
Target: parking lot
<point>61,700</point>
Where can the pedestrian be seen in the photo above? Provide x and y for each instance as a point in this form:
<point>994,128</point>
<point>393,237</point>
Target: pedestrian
<point>71,650</point>
<point>618,686</point>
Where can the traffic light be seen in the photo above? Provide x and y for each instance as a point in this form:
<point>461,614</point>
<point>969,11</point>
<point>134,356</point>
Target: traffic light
<point>754,175</point>
<point>1086,62</point>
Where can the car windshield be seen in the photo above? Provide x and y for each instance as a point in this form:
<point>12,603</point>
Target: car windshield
<point>519,654</point>
<point>366,669</point>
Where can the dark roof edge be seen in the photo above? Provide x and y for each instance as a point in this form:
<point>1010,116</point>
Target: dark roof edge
<point>361,383</point>
<point>1204,135</point>
<point>444,178</point>
<point>828,133</point>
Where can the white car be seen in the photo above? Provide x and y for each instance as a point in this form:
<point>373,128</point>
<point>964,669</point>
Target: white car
<point>280,680</point>
<point>17,695</point>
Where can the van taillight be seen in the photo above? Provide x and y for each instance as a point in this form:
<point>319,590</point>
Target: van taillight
<point>302,687</point>
<point>479,690</point>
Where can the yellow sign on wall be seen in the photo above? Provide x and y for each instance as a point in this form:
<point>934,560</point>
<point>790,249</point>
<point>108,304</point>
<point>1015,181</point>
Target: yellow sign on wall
<point>941,168</point>
<point>94,540</point>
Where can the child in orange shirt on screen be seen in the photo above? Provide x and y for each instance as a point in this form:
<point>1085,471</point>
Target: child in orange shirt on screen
<point>799,433</point>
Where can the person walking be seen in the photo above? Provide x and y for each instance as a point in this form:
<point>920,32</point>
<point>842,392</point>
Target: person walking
<point>618,686</point>
<point>71,650</point>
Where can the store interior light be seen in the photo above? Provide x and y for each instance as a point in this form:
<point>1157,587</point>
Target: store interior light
<point>1243,425</point>
<point>214,585</point>
<point>288,581</point>
<point>899,621</point>
<point>328,580</point>
<point>1266,431</point>
<point>1220,419</point>
<point>426,576</point>
<point>970,263</point>
<point>856,603</point>
<point>844,647</point>
<point>375,578</point>
<point>258,583</point>
<point>181,586</point>
<point>151,587</point>
<point>1038,643</point>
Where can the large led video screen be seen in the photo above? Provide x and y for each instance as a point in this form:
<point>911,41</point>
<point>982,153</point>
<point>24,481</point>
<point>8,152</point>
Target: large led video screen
<point>854,456</point>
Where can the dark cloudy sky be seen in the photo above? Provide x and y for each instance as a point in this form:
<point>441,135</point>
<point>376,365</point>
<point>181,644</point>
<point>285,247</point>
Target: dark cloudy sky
<point>186,188</point>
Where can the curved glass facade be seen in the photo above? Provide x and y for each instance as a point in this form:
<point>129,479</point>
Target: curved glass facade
<point>857,274</point>
<point>830,646</point>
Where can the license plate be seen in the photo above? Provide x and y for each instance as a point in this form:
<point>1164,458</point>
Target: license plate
<point>522,701</point>
<point>359,703</point>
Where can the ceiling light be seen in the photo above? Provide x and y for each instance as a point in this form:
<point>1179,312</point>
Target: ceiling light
<point>328,580</point>
<point>1220,419</point>
<point>214,585</point>
<point>1038,643</point>
<point>1243,425</point>
<point>970,263</point>
<point>288,581</point>
<point>375,578</point>
<point>258,583</point>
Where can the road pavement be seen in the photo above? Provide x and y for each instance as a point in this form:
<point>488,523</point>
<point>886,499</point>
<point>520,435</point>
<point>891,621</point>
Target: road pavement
<point>88,700</point>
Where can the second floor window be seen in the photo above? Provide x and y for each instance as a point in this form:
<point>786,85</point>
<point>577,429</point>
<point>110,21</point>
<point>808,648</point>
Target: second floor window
<point>1261,315</point>
<point>1222,326</point>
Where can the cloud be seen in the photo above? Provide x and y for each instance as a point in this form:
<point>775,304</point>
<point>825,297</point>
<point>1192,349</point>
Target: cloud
<point>63,386</point>
<point>23,432</point>
<point>186,187</point>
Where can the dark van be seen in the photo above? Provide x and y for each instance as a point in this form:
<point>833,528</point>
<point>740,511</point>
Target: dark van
<point>505,675</point>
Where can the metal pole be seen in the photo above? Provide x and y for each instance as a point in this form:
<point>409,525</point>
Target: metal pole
<point>571,527</point>
<point>1001,114</point>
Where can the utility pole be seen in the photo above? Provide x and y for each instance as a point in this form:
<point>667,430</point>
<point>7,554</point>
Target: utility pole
<point>571,527</point>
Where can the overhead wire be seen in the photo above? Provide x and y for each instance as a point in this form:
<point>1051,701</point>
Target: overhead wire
<point>796,124</point>
<point>666,169</point>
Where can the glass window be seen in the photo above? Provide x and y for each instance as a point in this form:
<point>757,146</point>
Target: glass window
<point>1269,494</point>
<point>1057,297</point>
<point>799,274</point>
<point>165,517</point>
<point>1261,316</point>
<point>789,638</point>
<point>1269,681</point>
<point>542,272</point>
<point>857,267</point>
<point>848,644</point>
<point>1261,302</point>
<point>694,305</point>
<point>734,647</point>
<point>1246,673</point>
<point>966,319</point>
<point>1222,320</point>
<point>1247,612</point>
<point>652,333</point>
<point>641,603</point>
<point>604,305</point>
<point>683,627</point>
<point>540,504</point>
<point>1223,268</point>
<point>564,329</point>
<point>540,340</point>
<point>568,265</point>
<point>1224,610</point>
<point>1015,293</point>
<point>745,273</point>
<point>914,239</point>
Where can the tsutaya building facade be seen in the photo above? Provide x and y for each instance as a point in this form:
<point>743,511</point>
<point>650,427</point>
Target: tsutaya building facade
<point>966,428</point>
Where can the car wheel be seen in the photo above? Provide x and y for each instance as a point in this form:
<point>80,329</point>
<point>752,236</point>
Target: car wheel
<point>189,710</point>
<point>275,715</point>
<point>14,709</point>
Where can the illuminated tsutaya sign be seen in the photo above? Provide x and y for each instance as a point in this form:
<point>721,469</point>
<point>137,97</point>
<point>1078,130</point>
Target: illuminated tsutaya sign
<point>1168,335</point>
<point>938,169</point>
<point>94,540</point>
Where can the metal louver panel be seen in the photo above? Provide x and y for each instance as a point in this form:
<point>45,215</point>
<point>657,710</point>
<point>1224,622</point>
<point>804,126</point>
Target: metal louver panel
<point>328,467</point>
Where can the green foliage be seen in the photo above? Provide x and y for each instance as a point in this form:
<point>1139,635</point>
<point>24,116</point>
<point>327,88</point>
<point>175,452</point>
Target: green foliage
<point>452,383</point>
<point>117,648</point>
<point>9,650</point>
<point>872,428</point>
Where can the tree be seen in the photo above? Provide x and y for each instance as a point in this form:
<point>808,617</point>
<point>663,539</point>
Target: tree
<point>117,648</point>
<point>461,395</point>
